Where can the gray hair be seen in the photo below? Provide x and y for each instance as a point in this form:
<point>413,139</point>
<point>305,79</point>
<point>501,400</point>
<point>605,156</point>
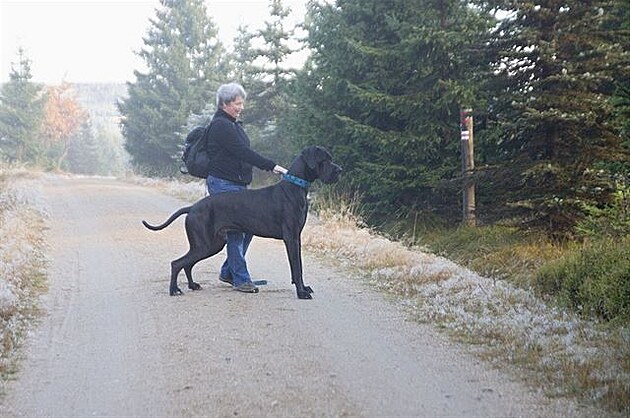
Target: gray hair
<point>228,93</point>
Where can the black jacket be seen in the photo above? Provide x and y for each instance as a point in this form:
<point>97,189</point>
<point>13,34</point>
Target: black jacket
<point>231,157</point>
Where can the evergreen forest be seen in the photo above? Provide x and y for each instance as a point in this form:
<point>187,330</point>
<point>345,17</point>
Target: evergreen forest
<point>383,87</point>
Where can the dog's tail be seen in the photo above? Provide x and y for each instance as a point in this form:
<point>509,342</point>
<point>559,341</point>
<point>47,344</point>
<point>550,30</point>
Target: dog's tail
<point>168,221</point>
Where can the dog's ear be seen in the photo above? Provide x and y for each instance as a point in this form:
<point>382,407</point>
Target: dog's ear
<point>314,155</point>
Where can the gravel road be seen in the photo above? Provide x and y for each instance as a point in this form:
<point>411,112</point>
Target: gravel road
<point>114,343</point>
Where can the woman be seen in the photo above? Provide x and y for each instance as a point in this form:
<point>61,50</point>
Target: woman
<point>231,165</point>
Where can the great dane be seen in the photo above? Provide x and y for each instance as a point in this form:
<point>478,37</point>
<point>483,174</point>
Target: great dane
<point>277,211</point>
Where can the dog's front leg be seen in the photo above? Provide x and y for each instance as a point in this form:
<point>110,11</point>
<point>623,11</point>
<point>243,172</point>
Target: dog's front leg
<point>294,252</point>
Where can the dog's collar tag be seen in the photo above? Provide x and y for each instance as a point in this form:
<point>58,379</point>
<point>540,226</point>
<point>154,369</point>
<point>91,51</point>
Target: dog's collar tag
<point>296,180</point>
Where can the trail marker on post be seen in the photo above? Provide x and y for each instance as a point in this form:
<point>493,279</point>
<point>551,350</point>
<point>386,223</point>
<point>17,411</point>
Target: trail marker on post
<point>468,166</point>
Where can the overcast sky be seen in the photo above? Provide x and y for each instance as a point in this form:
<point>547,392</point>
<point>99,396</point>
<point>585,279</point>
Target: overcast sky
<point>95,40</point>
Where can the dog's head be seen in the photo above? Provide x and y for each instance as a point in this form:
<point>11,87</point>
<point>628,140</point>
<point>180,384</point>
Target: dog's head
<point>320,164</point>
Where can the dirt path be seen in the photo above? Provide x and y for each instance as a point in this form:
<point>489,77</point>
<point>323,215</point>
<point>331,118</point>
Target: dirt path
<point>115,344</point>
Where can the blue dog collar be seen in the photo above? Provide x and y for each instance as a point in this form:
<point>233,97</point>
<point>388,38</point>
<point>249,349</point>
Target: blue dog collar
<point>296,180</point>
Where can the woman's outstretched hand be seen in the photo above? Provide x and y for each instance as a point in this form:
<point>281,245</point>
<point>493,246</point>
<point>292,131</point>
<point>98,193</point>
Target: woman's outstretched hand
<point>279,170</point>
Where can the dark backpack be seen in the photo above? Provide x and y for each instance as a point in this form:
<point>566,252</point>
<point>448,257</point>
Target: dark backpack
<point>195,157</point>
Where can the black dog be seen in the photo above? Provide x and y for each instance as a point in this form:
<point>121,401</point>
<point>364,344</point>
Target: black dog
<point>277,211</point>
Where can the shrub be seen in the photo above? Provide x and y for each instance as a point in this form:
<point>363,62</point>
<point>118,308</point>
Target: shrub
<point>612,220</point>
<point>594,280</point>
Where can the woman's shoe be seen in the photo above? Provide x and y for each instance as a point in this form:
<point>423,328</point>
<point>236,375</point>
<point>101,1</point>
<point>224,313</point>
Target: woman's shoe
<point>230,281</point>
<point>247,287</point>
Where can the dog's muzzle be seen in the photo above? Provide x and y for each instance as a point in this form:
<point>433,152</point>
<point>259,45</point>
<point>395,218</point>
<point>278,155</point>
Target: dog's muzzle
<point>330,173</point>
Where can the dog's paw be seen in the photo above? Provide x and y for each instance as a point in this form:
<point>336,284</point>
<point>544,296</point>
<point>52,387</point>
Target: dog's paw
<point>194,286</point>
<point>176,291</point>
<point>304,295</point>
<point>308,289</point>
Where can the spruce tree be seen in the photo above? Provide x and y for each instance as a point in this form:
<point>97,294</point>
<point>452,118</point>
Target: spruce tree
<point>266,81</point>
<point>243,56</point>
<point>247,74</point>
<point>559,70</point>
<point>85,152</point>
<point>21,114</point>
<point>275,50</point>
<point>182,55</point>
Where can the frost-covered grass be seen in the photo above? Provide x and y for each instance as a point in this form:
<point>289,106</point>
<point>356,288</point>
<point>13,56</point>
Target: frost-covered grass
<point>552,349</point>
<point>22,260</point>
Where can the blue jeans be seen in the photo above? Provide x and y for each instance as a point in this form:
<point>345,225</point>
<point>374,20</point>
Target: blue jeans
<point>237,242</point>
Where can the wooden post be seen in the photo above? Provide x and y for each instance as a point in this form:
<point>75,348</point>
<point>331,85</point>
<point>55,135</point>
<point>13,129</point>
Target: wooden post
<point>468,166</point>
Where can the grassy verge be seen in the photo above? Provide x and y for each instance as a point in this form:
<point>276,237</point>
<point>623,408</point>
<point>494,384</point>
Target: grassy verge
<point>593,280</point>
<point>495,251</point>
<point>22,263</point>
<point>493,303</point>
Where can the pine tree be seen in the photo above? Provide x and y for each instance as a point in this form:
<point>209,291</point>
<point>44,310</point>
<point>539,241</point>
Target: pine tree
<point>558,72</point>
<point>266,77</point>
<point>249,75</point>
<point>243,56</point>
<point>85,152</point>
<point>384,89</point>
<point>112,158</point>
<point>182,54</point>
<point>275,49</point>
<point>21,114</point>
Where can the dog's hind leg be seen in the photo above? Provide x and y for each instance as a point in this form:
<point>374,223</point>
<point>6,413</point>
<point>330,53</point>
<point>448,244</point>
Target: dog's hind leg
<point>191,284</point>
<point>197,258</point>
<point>187,262</point>
<point>176,267</point>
